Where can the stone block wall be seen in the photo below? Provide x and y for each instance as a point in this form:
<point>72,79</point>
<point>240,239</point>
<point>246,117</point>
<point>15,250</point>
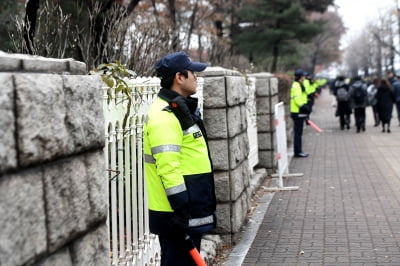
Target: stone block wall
<point>53,207</point>
<point>225,94</point>
<point>266,98</point>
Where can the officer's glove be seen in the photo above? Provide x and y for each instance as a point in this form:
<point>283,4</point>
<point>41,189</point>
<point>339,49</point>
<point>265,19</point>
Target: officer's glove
<point>189,244</point>
<point>304,109</point>
<point>181,110</point>
<point>179,222</point>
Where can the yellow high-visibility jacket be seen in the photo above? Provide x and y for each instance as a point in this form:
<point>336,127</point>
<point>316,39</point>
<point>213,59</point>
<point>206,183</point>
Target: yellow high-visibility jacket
<point>178,168</point>
<point>298,97</point>
<point>310,87</point>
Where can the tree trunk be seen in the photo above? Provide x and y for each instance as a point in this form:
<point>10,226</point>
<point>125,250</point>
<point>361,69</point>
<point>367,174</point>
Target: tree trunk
<point>32,7</point>
<point>314,58</point>
<point>366,71</point>
<point>379,59</point>
<point>219,29</point>
<point>172,11</point>
<point>101,29</point>
<point>398,18</point>
<point>200,47</point>
<point>275,56</point>
<point>391,57</point>
<point>192,23</point>
<point>131,6</point>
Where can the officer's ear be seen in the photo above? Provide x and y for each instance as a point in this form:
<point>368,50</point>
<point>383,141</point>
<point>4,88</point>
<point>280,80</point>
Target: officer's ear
<point>179,77</point>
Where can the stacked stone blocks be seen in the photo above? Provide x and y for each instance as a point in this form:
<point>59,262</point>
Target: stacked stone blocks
<point>266,99</point>
<point>225,119</point>
<point>52,178</point>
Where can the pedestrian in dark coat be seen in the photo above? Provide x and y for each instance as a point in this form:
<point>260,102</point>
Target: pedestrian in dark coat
<point>385,100</point>
<point>343,104</point>
<point>372,90</point>
<point>396,91</point>
<point>359,100</point>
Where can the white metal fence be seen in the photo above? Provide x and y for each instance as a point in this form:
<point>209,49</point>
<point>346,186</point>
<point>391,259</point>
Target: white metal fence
<point>131,243</point>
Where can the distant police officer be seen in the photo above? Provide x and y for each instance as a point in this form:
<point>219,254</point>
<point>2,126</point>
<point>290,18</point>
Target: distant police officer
<point>310,87</point>
<point>299,111</point>
<point>179,175</point>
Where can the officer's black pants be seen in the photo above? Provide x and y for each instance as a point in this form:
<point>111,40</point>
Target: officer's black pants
<point>298,124</point>
<point>174,251</point>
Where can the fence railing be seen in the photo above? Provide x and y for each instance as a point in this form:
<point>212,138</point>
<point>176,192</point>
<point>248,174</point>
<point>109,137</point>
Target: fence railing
<point>131,242</point>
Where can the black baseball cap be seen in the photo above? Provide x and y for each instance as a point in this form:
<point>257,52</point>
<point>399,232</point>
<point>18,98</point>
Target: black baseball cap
<point>177,62</point>
<point>299,72</point>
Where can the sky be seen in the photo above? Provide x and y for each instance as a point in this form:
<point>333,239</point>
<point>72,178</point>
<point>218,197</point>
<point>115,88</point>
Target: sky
<point>356,13</point>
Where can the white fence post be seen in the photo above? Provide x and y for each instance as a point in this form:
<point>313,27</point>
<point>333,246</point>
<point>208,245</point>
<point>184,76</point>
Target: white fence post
<point>252,123</point>
<point>282,154</point>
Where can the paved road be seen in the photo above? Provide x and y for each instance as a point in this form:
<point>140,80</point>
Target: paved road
<point>347,210</point>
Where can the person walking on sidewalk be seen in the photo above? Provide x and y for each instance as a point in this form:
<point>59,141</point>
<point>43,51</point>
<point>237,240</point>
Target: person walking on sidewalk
<point>396,90</point>
<point>391,76</point>
<point>341,91</point>
<point>359,101</point>
<point>178,167</point>
<point>385,100</point>
<point>372,90</point>
<point>299,111</point>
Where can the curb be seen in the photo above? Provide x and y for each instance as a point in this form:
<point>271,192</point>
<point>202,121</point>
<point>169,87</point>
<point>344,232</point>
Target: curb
<point>239,252</point>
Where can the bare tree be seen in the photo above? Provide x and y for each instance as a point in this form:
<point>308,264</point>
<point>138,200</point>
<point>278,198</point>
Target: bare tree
<point>360,53</point>
<point>376,44</point>
<point>325,47</point>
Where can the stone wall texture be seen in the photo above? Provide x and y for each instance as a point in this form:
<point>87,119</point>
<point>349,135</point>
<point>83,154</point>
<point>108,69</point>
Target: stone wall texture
<point>225,94</point>
<point>53,200</point>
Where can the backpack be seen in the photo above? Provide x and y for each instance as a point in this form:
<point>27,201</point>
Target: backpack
<point>371,92</point>
<point>342,95</point>
<point>359,95</point>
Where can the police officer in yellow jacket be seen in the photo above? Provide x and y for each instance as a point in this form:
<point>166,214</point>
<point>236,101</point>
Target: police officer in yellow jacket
<point>311,87</point>
<point>299,111</point>
<point>178,167</point>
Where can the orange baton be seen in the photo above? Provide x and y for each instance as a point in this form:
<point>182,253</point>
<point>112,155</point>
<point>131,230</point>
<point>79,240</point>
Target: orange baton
<point>197,257</point>
<point>314,126</point>
<point>194,253</point>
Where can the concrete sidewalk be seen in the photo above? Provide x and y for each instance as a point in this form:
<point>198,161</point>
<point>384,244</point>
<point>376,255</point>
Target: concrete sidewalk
<point>347,210</point>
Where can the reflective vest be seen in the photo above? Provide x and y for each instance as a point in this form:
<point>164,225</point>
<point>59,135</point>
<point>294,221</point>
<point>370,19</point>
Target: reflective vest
<point>178,169</point>
<point>298,97</point>
<point>310,87</point>
<point>307,85</point>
